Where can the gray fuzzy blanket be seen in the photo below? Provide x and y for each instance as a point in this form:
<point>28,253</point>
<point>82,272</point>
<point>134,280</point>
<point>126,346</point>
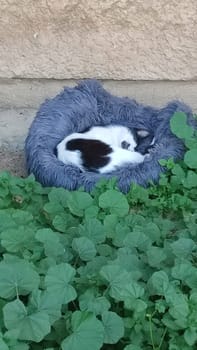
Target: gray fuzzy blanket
<point>87,104</point>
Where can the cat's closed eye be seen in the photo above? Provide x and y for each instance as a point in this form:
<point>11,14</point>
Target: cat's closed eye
<point>125,145</point>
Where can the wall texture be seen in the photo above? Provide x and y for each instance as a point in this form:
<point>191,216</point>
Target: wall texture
<point>107,39</point>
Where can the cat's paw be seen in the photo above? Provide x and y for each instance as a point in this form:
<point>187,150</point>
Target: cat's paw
<point>139,158</point>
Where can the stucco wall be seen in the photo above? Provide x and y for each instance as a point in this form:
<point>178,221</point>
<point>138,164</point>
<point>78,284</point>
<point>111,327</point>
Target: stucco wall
<point>108,39</point>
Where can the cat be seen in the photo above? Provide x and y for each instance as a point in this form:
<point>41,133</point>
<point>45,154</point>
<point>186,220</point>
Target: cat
<point>102,149</point>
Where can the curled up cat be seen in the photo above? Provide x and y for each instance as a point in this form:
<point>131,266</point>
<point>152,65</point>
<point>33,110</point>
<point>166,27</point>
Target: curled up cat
<point>103,149</point>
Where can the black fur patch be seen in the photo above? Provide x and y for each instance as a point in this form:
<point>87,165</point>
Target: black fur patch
<point>86,130</point>
<point>94,153</point>
<point>55,151</point>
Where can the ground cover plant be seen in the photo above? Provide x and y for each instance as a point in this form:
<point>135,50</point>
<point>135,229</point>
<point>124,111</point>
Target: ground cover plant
<point>102,270</point>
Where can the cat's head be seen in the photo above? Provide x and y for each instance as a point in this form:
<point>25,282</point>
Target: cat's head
<point>137,140</point>
<point>144,140</point>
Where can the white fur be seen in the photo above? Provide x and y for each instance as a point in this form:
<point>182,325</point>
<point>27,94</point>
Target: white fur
<point>67,157</point>
<point>120,157</point>
<point>113,135</point>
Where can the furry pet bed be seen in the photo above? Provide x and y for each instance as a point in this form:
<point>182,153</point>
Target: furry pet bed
<point>87,104</point>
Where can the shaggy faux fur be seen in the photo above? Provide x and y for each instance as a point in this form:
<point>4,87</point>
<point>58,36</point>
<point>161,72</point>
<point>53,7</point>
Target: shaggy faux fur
<point>87,104</point>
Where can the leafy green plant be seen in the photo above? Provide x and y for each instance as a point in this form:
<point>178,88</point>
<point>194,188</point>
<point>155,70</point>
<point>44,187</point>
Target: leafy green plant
<point>102,270</point>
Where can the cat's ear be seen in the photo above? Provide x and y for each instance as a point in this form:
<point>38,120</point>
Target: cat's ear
<point>142,133</point>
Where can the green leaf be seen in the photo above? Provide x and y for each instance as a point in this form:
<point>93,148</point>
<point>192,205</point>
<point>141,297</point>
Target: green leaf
<point>121,231</point>
<point>88,333</point>
<point>152,231</point>
<point>180,127</point>
<point>96,304</point>
<point>50,240</point>
<point>191,180</point>
<point>84,247</point>
<point>22,217</point>
<point>139,306</point>
<point>155,256</point>
<point>137,239</point>
<point>78,202</point>
<point>132,289</point>
<point>129,260</point>
<point>179,308</point>
<point>113,326</point>
<point>132,347</point>
<point>63,221</point>
<point>190,159</point>
<point>92,268</point>
<point>183,247</point>
<point>6,221</point>
<point>191,143</point>
<point>59,196</point>
<point>3,345</point>
<point>158,283</point>
<point>17,279</point>
<point>117,279</point>
<point>94,230</point>
<point>182,270</point>
<point>178,171</point>
<point>57,281</point>
<point>44,301</point>
<point>110,222</point>
<point>115,201</point>
<point>33,326</point>
<point>91,212</point>
<point>105,250</point>
<point>16,240</point>
<point>190,336</point>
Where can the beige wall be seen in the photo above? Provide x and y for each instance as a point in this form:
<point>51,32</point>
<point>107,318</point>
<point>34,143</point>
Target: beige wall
<point>107,39</point>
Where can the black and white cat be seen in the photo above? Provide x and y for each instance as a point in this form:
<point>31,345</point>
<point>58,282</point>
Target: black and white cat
<point>103,149</point>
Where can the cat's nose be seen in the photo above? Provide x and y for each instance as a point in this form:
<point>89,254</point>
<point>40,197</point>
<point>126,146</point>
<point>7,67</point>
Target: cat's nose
<point>125,144</point>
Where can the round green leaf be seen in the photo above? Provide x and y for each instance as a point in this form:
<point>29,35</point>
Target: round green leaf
<point>84,247</point>
<point>191,158</point>
<point>180,127</point>
<point>58,280</point>
<point>45,301</point>
<point>88,333</point>
<point>78,202</point>
<point>158,283</point>
<point>183,247</point>
<point>17,278</point>
<point>93,229</point>
<point>115,201</point>
<point>155,256</point>
<point>191,179</point>
<point>96,304</point>
<point>132,290</point>
<point>117,278</point>
<point>18,239</point>
<point>137,239</point>
<point>113,326</point>
<point>33,326</point>
<point>190,336</point>
<point>50,240</point>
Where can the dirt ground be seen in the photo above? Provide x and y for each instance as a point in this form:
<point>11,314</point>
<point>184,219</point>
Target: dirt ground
<point>13,161</point>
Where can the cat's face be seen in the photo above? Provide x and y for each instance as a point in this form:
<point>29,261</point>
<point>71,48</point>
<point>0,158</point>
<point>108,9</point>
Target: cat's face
<point>144,140</point>
<point>136,140</point>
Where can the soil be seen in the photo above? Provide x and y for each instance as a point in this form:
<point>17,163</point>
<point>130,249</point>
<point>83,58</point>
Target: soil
<point>13,161</point>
